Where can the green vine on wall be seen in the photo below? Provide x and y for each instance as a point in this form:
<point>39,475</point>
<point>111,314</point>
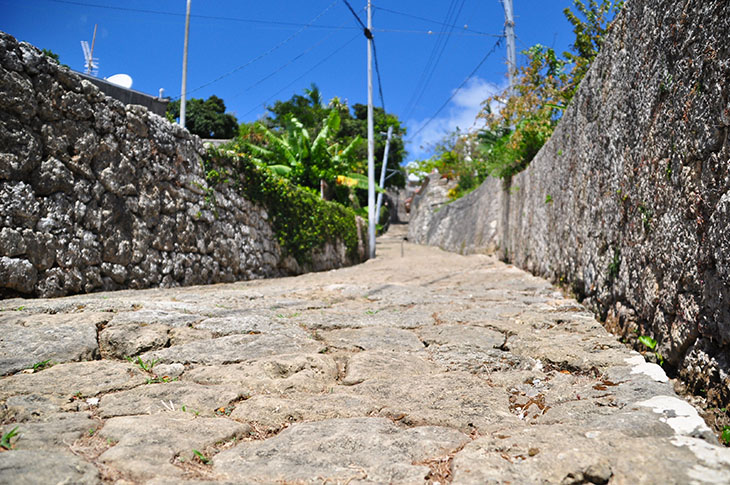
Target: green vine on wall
<point>301,220</point>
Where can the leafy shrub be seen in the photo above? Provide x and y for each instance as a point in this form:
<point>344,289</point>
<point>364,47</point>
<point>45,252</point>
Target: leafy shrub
<point>205,118</point>
<point>312,112</point>
<point>521,120</point>
<point>452,162</point>
<point>301,220</point>
<point>542,91</point>
<point>516,132</point>
<point>306,160</point>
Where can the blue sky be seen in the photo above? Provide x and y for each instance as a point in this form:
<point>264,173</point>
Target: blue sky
<point>251,53</point>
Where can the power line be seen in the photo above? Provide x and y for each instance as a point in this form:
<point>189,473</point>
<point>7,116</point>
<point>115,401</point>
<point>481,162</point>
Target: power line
<point>275,22</point>
<point>456,91</point>
<point>440,54</point>
<point>294,81</point>
<point>431,32</point>
<point>420,88</point>
<point>261,56</point>
<point>474,32</point>
<point>268,22</point>
<point>207,17</point>
<point>357,17</point>
<point>380,82</point>
<point>433,59</point>
<point>288,63</point>
<point>369,35</point>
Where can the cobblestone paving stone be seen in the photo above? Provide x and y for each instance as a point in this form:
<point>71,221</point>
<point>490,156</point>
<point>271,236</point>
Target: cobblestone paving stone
<point>420,366</point>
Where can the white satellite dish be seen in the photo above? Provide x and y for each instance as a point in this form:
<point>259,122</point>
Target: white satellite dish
<point>123,80</point>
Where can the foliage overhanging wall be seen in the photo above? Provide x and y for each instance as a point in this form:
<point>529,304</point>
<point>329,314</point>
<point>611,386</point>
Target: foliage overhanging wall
<point>629,201</point>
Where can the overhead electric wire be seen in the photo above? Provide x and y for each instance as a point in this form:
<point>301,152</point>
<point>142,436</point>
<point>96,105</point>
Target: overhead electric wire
<point>261,56</point>
<point>428,71</point>
<point>357,17</point>
<point>419,87</point>
<point>433,59</point>
<point>440,54</point>
<point>377,73</point>
<point>456,91</point>
<point>286,64</point>
<point>380,82</point>
<point>369,34</point>
<point>294,81</point>
<point>431,32</point>
<point>474,32</point>
<point>277,22</point>
<point>517,37</point>
<point>207,17</point>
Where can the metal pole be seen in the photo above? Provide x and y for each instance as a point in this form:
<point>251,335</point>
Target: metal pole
<point>91,55</point>
<point>185,67</point>
<point>509,32</point>
<point>382,172</point>
<point>371,142</point>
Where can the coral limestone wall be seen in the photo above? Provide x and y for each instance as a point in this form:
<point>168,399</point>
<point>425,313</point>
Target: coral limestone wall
<point>637,221</point>
<point>98,195</point>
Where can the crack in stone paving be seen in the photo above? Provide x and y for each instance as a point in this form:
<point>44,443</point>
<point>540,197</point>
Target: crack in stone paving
<point>429,367</point>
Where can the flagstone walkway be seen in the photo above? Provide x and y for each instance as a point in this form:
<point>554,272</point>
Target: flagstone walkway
<point>420,366</point>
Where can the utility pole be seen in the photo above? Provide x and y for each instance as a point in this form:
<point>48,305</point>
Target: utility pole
<point>371,139</point>
<point>509,32</point>
<point>382,172</point>
<point>185,67</point>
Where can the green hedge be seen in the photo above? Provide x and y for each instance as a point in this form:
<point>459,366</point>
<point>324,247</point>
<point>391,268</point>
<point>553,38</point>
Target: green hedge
<point>301,219</point>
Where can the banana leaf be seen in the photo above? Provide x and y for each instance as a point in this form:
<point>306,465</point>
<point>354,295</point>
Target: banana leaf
<point>280,170</point>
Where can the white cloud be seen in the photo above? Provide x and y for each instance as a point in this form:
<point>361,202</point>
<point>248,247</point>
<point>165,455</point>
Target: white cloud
<point>461,112</point>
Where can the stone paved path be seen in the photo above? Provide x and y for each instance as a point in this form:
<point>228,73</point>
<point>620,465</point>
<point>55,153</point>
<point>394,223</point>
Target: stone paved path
<point>423,368</point>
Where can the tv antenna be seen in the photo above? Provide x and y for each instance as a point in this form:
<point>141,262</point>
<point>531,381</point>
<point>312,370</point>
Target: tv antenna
<point>92,65</point>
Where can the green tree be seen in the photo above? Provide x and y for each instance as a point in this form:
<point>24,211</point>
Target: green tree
<point>311,111</point>
<point>529,113</point>
<point>452,160</point>
<point>51,54</point>
<point>206,118</point>
<point>54,56</point>
<point>591,23</point>
<point>305,160</point>
<point>308,109</point>
<point>528,116</point>
<point>356,124</point>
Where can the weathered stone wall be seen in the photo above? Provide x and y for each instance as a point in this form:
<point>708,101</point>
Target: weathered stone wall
<point>467,225</point>
<point>98,195</point>
<point>638,174</point>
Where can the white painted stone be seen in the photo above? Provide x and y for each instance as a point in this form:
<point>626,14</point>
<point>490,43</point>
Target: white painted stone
<point>715,460</point>
<point>640,366</point>
<point>679,414</point>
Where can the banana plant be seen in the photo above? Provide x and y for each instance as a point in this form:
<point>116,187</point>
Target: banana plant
<point>356,180</point>
<point>295,155</point>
